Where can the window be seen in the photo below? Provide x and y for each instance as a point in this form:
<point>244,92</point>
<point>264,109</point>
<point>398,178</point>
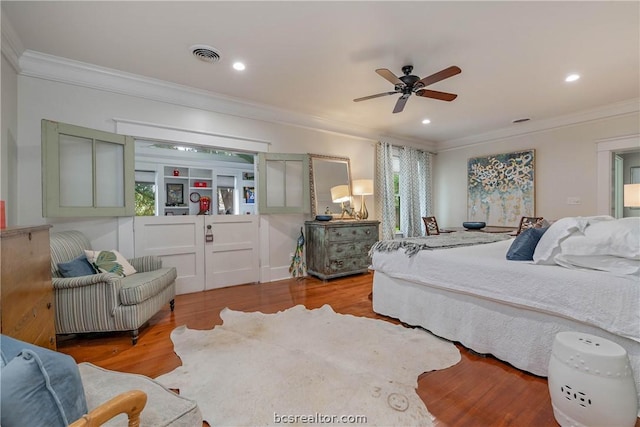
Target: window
<point>284,183</point>
<point>86,172</point>
<point>396,189</point>
<point>145,193</point>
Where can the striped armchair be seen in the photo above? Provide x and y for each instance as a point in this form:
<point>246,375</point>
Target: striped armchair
<point>106,302</point>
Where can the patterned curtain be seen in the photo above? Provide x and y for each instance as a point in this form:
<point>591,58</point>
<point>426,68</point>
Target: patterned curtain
<point>385,198</point>
<point>415,190</point>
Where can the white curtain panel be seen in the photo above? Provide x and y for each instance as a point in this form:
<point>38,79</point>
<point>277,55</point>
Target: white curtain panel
<point>427,201</point>
<point>415,190</point>
<point>385,201</point>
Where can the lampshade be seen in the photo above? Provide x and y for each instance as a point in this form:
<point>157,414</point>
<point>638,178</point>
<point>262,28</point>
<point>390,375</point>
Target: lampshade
<point>632,196</point>
<point>362,187</point>
<point>340,193</point>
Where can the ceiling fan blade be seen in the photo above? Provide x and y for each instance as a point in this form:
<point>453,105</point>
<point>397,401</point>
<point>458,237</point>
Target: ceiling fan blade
<point>377,95</point>
<point>440,75</point>
<point>389,76</point>
<point>400,104</point>
<point>442,96</point>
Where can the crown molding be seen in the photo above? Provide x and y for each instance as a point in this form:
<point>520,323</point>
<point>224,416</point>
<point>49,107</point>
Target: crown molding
<point>11,45</point>
<point>49,67</point>
<point>53,68</point>
<point>629,106</point>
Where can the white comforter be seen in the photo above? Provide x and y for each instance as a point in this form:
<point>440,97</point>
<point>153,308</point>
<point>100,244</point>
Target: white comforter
<point>596,298</point>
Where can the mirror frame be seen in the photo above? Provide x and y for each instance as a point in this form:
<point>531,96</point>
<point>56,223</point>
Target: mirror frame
<point>312,184</point>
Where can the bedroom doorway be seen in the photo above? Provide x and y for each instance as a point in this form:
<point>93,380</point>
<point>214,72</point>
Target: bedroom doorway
<point>607,149</point>
<point>618,182</point>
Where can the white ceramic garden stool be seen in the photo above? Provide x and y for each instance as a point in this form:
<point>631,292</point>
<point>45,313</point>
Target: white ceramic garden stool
<point>591,382</point>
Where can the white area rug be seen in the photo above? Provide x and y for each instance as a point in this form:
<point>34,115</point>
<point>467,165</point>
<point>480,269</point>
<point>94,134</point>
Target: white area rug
<point>307,367</point>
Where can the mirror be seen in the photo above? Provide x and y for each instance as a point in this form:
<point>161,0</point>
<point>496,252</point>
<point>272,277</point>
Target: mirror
<point>326,172</point>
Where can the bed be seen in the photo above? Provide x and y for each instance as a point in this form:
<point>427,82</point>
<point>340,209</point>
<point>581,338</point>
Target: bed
<point>583,276</point>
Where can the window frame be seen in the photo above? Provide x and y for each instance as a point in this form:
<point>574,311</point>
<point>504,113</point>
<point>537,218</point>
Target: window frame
<point>263,204</point>
<point>51,186</point>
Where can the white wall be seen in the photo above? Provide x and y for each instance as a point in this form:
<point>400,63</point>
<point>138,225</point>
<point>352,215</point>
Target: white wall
<point>566,166</point>
<point>43,99</point>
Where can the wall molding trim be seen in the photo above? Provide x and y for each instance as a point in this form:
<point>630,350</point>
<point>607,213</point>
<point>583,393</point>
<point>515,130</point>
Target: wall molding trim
<point>38,65</point>
<point>159,132</point>
<point>629,106</point>
<point>12,47</point>
<point>605,148</point>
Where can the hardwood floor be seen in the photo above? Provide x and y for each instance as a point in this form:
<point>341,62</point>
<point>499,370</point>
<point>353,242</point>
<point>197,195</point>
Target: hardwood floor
<point>478,391</point>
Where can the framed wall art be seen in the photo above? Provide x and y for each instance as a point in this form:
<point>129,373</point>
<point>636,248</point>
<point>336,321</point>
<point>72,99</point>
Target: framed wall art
<point>501,188</point>
<point>175,194</point>
<point>249,195</point>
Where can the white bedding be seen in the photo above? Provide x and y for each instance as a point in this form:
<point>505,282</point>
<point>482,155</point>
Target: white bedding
<point>594,298</point>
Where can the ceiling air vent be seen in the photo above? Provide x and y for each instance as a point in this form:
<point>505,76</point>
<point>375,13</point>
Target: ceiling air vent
<point>205,53</point>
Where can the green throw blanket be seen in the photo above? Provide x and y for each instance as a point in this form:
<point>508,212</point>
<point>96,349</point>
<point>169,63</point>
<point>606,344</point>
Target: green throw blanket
<point>412,245</point>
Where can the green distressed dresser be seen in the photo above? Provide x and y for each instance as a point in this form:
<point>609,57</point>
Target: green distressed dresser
<point>339,248</point>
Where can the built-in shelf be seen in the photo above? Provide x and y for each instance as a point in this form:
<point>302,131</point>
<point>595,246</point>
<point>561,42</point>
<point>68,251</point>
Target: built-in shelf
<point>184,181</point>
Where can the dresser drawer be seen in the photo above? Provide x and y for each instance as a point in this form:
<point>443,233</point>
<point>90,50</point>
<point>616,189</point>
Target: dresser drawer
<point>345,234</point>
<point>349,249</point>
<point>348,265</point>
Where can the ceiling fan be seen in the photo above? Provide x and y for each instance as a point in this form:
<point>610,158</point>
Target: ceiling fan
<point>408,84</point>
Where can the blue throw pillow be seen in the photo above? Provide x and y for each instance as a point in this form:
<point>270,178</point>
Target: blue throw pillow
<point>524,245</point>
<point>40,387</point>
<point>76,267</point>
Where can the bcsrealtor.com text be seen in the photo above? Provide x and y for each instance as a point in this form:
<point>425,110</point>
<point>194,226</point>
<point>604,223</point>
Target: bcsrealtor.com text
<point>318,418</point>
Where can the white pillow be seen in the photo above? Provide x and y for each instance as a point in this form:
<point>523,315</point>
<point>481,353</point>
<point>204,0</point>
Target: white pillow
<point>619,238</point>
<point>612,264</point>
<point>127,269</point>
<point>549,245</point>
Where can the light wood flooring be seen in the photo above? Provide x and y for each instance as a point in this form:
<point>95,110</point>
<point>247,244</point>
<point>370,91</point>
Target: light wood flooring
<point>478,391</point>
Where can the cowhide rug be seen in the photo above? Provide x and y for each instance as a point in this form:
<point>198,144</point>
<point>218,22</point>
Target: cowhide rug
<point>306,367</point>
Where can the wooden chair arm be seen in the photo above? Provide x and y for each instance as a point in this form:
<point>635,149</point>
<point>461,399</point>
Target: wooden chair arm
<point>131,402</point>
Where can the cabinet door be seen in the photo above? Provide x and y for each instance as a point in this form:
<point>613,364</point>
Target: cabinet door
<point>231,254</point>
<point>283,185</point>
<point>179,241</point>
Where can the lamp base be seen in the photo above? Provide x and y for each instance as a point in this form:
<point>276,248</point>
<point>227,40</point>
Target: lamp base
<point>364,213</point>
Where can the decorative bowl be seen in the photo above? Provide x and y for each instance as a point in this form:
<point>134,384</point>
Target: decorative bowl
<point>323,217</point>
<point>474,225</point>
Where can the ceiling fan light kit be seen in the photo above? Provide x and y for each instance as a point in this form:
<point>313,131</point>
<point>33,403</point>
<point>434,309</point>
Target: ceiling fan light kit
<point>408,84</point>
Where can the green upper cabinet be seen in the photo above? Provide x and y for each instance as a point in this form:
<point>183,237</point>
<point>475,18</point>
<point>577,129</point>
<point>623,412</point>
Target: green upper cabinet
<point>283,184</point>
<point>86,172</point>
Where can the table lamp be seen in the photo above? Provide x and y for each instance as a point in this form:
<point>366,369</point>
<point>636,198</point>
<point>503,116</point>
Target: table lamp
<point>363,187</point>
<point>632,195</point>
<point>340,194</point>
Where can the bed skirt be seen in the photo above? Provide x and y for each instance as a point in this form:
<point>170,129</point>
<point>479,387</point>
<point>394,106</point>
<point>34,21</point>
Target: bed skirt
<point>517,335</point>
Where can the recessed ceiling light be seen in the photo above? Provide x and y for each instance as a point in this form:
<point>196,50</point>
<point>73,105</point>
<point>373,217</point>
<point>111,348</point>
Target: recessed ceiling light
<point>572,77</point>
<point>426,121</point>
<point>238,66</point>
